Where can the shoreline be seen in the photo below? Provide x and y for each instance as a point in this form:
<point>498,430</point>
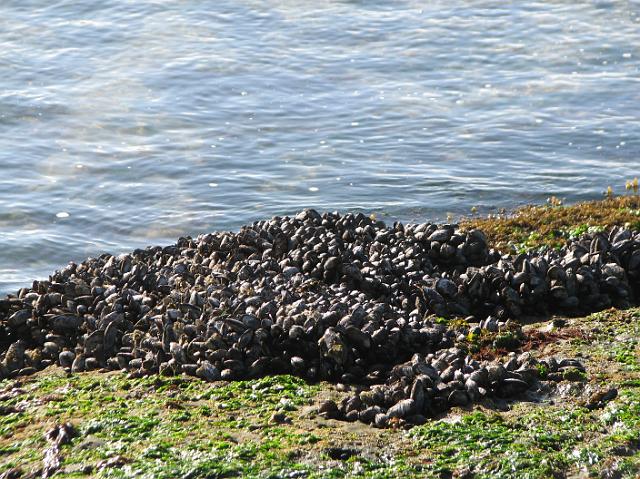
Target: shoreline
<point>517,229</point>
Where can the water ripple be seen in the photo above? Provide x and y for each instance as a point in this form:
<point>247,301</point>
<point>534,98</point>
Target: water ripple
<point>119,116</point>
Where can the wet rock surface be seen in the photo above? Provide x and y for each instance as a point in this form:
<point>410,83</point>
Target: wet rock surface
<point>57,436</point>
<point>331,297</point>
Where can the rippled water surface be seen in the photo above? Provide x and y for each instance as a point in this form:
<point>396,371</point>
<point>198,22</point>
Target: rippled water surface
<point>126,123</point>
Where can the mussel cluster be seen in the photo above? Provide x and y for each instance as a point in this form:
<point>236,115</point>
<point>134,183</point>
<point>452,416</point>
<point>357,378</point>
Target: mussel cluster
<point>326,297</point>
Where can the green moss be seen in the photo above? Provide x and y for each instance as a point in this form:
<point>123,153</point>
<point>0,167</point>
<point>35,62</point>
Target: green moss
<point>573,374</point>
<point>489,447</point>
<point>506,340</point>
<point>182,427</point>
<point>545,442</point>
<point>163,426</point>
<point>629,357</point>
<point>615,337</point>
<point>543,370</point>
<point>535,227</point>
<point>10,423</point>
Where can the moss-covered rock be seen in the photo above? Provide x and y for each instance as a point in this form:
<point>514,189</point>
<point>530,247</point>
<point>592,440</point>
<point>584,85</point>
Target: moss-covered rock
<point>183,427</point>
<point>549,226</point>
<point>270,427</point>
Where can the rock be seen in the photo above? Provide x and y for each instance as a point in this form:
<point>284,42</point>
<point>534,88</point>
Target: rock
<point>329,410</point>
<point>490,324</point>
<point>358,338</point>
<point>600,398</point>
<point>571,363</point>
<point>416,420</point>
<point>512,387</point>
<point>50,349</point>
<point>446,287</point>
<point>297,364</point>
<point>78,364</point>
<point>481,376</point>
<point>368,415</point>
<point>342,298</point>
<point>66,359</point>
<point>280,418</point>
<point>441,235</point>
<point>340,453</point>
<point>15,356</point>
<point>94,343</point>
<point>381,420</point>
<point>331,264</point>
<point>65,324</point>
<point>333,347</point>
<point>417,395</point>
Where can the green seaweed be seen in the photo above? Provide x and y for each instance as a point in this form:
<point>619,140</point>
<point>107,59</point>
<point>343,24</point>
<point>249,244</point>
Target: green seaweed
<point>182,427</point>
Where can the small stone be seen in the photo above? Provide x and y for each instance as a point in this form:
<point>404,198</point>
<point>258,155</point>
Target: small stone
<point>92,364</point>
<point>290,271</point>
<point>78,364</point>
<point>65,324</point>
<point>280,418</point>
<point>512,387</point>
<point>571,363</point>
<point>331,264</point>
<point>381,420</point>
<point>50,349</point>
<point>600,398</point>
<point>329,410</point>
<point>446,287</point>
<point>441,235</point>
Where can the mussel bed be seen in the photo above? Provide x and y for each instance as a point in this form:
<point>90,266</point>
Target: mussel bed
<point>341,298</point>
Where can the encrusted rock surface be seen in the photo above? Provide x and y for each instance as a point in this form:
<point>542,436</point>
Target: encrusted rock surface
<point>326,297</point>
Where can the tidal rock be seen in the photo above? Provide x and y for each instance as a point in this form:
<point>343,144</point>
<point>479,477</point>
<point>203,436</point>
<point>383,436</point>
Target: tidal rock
<point>329,410</point>
<point>342,298</point>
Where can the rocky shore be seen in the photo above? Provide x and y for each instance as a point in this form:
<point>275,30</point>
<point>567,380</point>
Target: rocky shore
<point>392,313</point>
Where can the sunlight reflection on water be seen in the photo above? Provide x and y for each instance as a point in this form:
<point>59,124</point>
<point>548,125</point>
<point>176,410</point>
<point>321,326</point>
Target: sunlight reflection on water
<point>132,123</point>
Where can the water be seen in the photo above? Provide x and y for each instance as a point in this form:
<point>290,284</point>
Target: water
<point>126,123</point>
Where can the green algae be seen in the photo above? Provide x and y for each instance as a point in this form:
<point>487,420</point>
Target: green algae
<point>153,424</point>
<point>617,337</point>
<point>543,441</point>
<point>181,427</point>
<point>550,226</point>
<point>487,446</point>
<point>223,430</point>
